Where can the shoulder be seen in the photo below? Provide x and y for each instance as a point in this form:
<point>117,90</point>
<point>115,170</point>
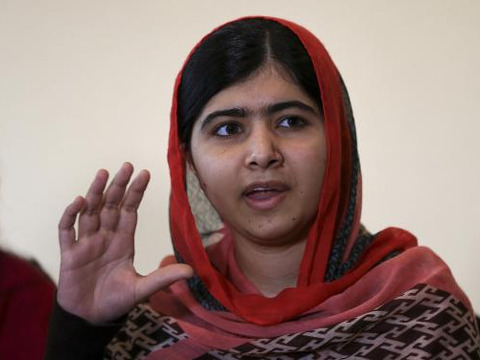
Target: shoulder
<point>421,265</point>
<point>26,297</point>
<point>17,274</point>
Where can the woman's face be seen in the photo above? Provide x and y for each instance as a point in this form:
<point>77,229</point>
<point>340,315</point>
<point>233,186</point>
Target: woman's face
<point>259,151</point>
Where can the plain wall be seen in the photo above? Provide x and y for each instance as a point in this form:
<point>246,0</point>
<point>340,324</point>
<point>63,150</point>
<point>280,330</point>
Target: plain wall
<point>88,84</point>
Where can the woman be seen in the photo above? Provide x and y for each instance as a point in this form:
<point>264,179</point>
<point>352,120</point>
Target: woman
<point>279,265</point>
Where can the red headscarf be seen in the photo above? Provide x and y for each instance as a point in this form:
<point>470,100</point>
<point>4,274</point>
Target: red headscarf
<point>358,295</point>
<point>337,253</point>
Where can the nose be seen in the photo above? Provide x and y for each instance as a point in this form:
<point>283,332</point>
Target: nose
<point>263,150</point>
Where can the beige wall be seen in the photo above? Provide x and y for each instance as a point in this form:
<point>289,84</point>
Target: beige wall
<point>87,84</point>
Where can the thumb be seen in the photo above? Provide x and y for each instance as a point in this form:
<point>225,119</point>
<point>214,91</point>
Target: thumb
<point>161,278</point>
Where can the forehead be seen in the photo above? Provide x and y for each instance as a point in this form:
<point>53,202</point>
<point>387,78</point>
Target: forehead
<point>270,84</point>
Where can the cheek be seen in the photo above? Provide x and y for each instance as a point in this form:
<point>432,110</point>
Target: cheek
<point>216,174</point>
<point>310,169</point>
<point>309,157</point>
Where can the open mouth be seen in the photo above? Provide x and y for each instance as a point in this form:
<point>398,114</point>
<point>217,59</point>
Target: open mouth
<point>262,193</point>
<point>265,195</point>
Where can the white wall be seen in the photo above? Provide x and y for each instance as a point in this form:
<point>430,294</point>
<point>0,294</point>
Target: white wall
<point>87,84</point>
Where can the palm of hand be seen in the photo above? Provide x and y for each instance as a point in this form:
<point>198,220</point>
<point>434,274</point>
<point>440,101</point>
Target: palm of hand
<point>98,281</point>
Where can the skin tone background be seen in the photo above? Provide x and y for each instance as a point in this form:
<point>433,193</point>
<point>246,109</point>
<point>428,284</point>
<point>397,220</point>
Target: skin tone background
<point>86,85</point>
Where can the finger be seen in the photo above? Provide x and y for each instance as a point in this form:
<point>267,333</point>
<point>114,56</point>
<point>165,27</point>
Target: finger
<point>161,278</point>
<point>66,226</point>
<point>88,221</point>
<point>113,197</point>
<point>128,211</point>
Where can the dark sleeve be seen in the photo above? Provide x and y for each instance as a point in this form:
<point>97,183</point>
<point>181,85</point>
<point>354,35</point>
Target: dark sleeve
<point>71,337</point>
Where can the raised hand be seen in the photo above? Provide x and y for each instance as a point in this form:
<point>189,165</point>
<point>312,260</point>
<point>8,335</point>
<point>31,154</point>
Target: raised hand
<point>97,279</point>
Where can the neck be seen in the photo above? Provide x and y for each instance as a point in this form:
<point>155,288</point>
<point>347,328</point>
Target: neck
<point>270,268</point>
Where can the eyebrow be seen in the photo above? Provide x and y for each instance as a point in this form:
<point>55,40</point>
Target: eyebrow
<point>233,112</point>
<point>271,109</point>
<point>287,105</point>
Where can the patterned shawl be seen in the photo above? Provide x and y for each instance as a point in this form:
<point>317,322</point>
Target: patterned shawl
<point>360,295</point>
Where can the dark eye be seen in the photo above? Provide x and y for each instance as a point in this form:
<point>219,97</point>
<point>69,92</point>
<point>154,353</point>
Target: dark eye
<point>291,121</point>
<point>228,129</point>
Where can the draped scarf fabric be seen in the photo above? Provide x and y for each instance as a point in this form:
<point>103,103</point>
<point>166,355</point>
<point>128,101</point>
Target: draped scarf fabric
<point>358,295</point>
<point>429,317</point>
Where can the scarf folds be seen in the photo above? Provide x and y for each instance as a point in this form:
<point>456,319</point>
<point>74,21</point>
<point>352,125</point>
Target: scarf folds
<point>338,254</point>
<point>408,305</point>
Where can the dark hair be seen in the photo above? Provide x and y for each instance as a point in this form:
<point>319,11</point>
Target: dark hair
<point>230,55</point>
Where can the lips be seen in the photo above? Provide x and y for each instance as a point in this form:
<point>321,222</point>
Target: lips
<point>265,195</point>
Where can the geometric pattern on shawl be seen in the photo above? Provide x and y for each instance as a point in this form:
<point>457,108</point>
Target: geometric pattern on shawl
<point>423,323</point>
<point>144,331</point>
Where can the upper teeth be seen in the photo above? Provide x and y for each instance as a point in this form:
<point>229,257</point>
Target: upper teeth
<point>261,189</point>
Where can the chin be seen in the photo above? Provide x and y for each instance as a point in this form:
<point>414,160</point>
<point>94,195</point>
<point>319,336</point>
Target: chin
<point>276,233</point>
